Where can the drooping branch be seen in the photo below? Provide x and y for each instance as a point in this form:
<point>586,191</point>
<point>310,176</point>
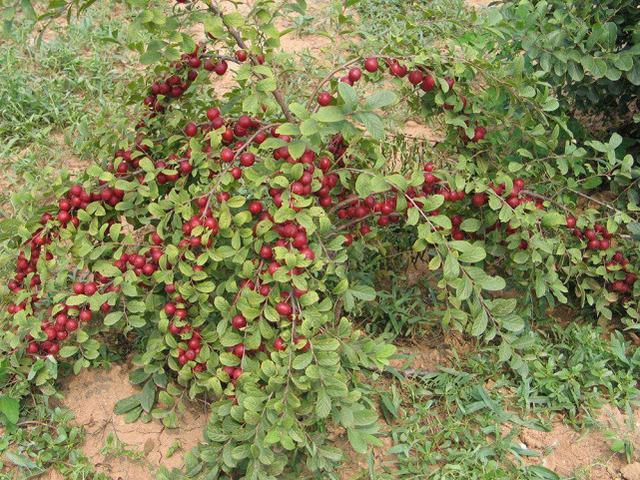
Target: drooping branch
<point>277,93</point>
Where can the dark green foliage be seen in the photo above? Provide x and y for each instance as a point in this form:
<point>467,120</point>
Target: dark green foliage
<point>589,51</point>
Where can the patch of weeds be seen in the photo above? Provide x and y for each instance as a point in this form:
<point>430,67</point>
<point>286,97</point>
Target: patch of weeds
<point>54,93</point>
<point>463,423</point>
<point>45,439</point>
<point>451,425</point>
<point>385,22</point>
<point>114,447</point>
<point>575,369</point>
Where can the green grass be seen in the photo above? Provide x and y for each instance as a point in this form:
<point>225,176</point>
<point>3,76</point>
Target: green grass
<point>47,438</point>
<point>463,422</point>
<point>53,92</point>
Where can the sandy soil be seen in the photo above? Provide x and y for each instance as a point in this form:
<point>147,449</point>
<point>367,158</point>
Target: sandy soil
<point>587,455</point>
<point>92,395</point>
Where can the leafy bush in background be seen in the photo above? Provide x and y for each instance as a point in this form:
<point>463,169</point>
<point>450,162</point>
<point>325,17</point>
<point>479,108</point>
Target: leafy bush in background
<point>589,51</point>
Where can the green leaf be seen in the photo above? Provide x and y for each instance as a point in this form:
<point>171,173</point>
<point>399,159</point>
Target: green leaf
<point>67,351</point>
<point>451,267</point>
<point>288,129</point>
<point>309,127</point>
<point>133,415</point>
<point>494,17</point>
<point>266,85</point>
<point>473,254</point>
<point>302,361</point>
<point>348,94</point>
<point>148,396</point>
<point>297,148</point>
<point>479,323</point>
<point>528,91</point>
<point>233,19</point>
<point>470,225</point>
<point>380,99</point>
<point>613,73</point>
<point>136,306</point>
<point>112,318</point>
<point>28,10</point>
<point>542,473</point>
<point>330,114</point>
<point>553,219</point>
<point>493,284</point>
<point>432,202</point>
<point>150,56</point>
<point>10,408</point>
<point>323,404</point>
<point>357,440</point>
<point>550,104</point>
<point>513,323</point>
<point>503,306</point>
<point>126,404</point>
<point>363,292</point>
<point>623,62</point>
<point>20,460</point>
<point>373,124</point>
<point>138,376</point>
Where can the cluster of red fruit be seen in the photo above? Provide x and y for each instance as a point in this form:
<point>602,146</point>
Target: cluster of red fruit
<point>186,71</point>
<point>68,318</point>
<point>124,162</point>
<point>26,267</point>
<point>598,238</point>
<point>77,198</point>
<point>233,131</point>
<point>204,219</point>
<point>419,77</point>
<point>194,342</point>
<point>189,348</point>
<point>57,330</point>
<point>291,235</point>
<point>383,207</point>
<point>141,264</point>
<point>620,263</point>
<point>174,166</point>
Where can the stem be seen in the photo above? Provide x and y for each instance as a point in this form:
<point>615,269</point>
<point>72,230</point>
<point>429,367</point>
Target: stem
<point>244,146</point>
<point>547,199</point>
<point>277,93</point>
<point>594,200</point>
<point>327,78</point>
<point>462,269</point>
<point>330,75</point>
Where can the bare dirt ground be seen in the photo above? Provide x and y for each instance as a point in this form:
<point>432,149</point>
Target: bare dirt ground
<point>144,446</point>
<point>587,455</point>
